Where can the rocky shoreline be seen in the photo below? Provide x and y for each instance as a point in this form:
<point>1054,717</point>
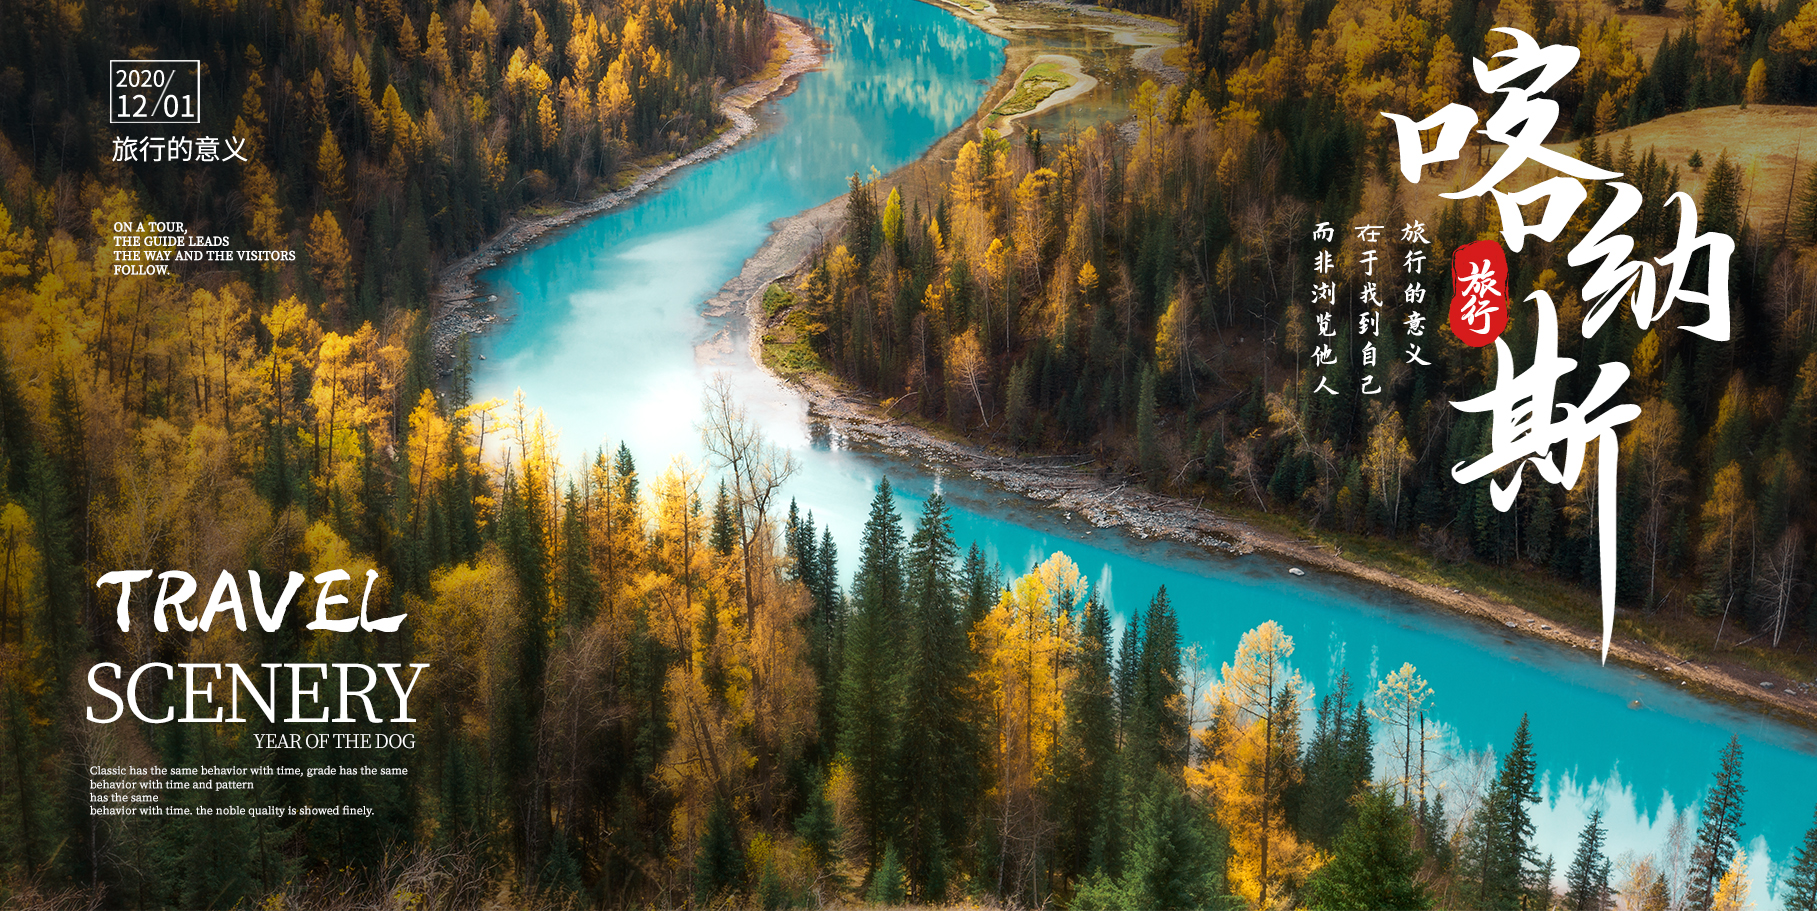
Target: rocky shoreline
<point>456,302</point>
<point>1068,485</point>
<point>1073,487</point>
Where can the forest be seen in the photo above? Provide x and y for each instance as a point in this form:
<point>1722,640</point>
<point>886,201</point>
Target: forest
<point>382,139</point>
<point>650,686</point>
<point>1145,300</point>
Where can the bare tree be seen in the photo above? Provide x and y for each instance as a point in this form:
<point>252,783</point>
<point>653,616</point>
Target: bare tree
<point>1652,449</point>
<point>1778,579</point>
<point>758,467</point>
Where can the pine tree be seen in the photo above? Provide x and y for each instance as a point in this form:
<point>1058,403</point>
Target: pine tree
<point>870,690</point>
<point>1159,727</point>
<point>1587,882</point>
<point>1129,663</point>
<point>1433,836</point>
<point>1804,216</point>
<point>1373,863</point>
<point>1721,205</point>
<point>826,576</point>
<point>1659,895</point>
<point>1148,447</point>
<point>864,229</point>
<point>818,825</point>
<point>1087,765</point>
<point>723,538</point>
<point>939,757</point>
<point>1539,894</point>
<point>1801,880</point>
<point>1174,856</point>
<point>718,864</point>
<point>1500,850</point>
<point>886,881</point>
<point>979,585</point>
<point>1338,765</point>
<point>1719,831</point>
<point>579,586</point>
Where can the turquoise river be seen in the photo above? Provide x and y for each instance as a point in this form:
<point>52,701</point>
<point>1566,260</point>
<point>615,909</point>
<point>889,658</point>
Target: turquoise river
<point>604,331</point>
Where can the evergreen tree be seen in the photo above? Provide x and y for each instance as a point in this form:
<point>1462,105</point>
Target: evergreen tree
<point>979,585</point>
<point>870,689</point>
<point>886,881</point>
<point>1720,210</point>
<point>863,227</point>
<point>1373,863</point>
<point>1174,859</point>
<point>1148,447</point>
<point>1087,764</point>
<point>1338,765</point>
<point>580,590</point>
<point>718,864</point>
<point>1159,731</point>
<point>1129,663</point>
<point>1801,879</point>
<point>1587,882</point>
<point>818,825</point>
<point>1539,894</point>
<point>1433,835</point>
<point>1804,217</point>
<point>1500,851</point>
<point>939,757</point>
<point>1659,895</point>
<point>826,577</point>
<point>1173,855</point>
<point>723,537</point>
<point>1718,832</point>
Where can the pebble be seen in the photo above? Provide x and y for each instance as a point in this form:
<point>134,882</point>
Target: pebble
<point>1295,571</point>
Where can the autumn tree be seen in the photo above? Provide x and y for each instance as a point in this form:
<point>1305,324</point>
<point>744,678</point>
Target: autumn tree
<point>1251,756</point>
<point>1025,646</point>
<point>1401,699</point>
<point>1652,449</point>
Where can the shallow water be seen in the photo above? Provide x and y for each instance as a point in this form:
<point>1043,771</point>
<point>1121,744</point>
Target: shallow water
<point>605,334</point>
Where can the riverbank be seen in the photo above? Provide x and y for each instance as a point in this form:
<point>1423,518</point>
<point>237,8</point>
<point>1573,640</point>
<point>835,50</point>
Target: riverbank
<point>459,308</point>
<point>1074,488</point>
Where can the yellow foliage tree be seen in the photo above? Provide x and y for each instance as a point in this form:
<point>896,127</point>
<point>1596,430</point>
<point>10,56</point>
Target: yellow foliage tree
<point>18,559</point>
<point>1025,646</point>
<point>427,450</point>
<point>1249,752</point>
<point>435,47</point>
<point>330,262</point>
<point>1732,890</point>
